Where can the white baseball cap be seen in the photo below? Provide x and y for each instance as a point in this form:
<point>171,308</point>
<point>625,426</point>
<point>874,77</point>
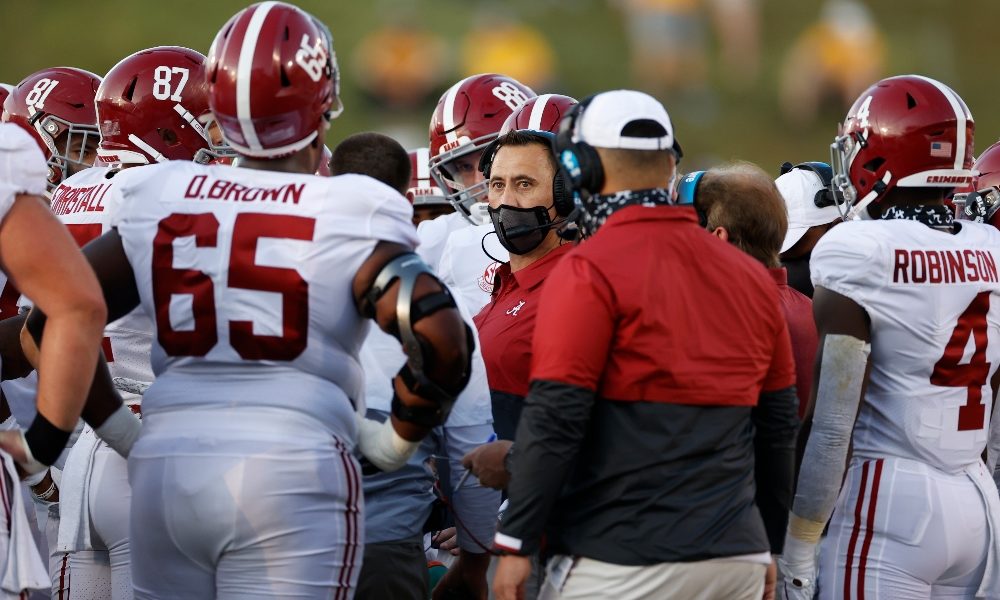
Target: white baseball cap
<point>626,119</point>
<point>799,188</point>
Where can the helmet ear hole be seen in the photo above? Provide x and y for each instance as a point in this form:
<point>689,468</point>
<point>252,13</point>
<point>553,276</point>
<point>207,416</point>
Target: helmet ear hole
<point>168,136</point>
<point>873,165</point>
<point>130,90</point>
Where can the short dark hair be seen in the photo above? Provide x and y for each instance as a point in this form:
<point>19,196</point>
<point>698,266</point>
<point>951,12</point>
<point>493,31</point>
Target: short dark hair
<point>375,155</point>
<point>743,199</point>
<point>517,137</point>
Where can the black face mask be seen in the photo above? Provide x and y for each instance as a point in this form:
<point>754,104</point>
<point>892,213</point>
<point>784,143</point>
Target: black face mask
<point>521,230</point>
<point>798,274</point>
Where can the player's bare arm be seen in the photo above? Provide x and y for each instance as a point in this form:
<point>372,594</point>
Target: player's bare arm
<point>841,372</point>
<point>65,288</point>
<point>103,408</point>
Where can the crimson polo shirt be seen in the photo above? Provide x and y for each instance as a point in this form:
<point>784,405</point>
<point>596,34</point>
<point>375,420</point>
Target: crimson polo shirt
<point>797,308</point>
<point>506,325</point>
<point>653,342</point>
<point>639,309</point>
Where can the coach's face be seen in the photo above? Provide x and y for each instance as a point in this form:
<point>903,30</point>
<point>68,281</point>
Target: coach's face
<point>521,176</point>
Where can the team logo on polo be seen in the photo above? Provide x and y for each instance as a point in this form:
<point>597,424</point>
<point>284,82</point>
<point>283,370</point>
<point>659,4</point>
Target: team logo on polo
<point>514,309</point>
<point>485,280</point>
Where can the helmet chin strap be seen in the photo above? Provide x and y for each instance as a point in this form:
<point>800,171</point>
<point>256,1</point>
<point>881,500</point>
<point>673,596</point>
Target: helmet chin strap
<point>860,210</point>
<point>153,152</point>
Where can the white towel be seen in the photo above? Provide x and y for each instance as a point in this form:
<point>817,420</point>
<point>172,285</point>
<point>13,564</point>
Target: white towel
<point>74,510</point>
<point>22,566</point>
<point>982,478</point>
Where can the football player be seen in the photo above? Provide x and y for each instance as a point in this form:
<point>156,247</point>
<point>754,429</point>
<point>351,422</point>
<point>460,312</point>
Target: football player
<point>907,307</point>
<point>151,107</point>
<point>467,118</point>
<point>982,203</point>
<point>62,283</point>
<point>57,106</point>
<point>428,201</point>
<point>244,483</point>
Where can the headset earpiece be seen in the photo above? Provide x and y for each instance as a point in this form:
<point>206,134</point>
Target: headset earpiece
<point>824,197</point>
<point>562,194</point>
<point>580,160</point>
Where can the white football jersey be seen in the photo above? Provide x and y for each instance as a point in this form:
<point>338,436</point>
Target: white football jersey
<point>247,275</point>
<point>467,269</point>
<point>433,235</point>
<point>934,303</point>
<point>83,204</point>
<point>22,166</point>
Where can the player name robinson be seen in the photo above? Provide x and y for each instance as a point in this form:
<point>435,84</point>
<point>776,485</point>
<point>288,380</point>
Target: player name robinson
<point>943,266</point>
<point>229,191</point>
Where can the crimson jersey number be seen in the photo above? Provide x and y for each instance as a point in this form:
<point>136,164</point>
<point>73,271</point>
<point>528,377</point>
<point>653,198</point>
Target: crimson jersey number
<point>972,375</point>
<point>243,273</point>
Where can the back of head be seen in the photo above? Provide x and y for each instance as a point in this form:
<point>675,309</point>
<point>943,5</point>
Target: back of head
<point>617,141</point>
<point>375,155</point>
<point>153,106</point>
<point>273,80</point>
<point>742,199</point>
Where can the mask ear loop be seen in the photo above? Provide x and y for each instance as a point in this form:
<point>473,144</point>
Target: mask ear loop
<point>482,243</point>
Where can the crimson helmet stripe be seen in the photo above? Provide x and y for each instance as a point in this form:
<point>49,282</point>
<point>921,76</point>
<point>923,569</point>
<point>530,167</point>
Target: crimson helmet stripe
<point>537,111</point>
<point>243,71</point>
<point>960,117</point>
<point>423,163</point>
<point>449,111</point>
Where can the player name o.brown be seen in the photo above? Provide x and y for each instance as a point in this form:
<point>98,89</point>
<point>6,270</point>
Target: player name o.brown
<point>943,266</point>
<point>200,188</point>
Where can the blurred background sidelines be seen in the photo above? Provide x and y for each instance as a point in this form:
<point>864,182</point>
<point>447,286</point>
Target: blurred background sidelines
<point>758,80</point>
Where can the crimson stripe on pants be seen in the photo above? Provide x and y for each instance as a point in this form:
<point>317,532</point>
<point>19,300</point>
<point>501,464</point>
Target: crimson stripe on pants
<point>857,528</point>
<point>869,526</point>
<point>351,522</point>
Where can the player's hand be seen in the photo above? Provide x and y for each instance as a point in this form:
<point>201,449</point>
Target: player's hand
<point>796,581</point>
<point>12,442</point>
<point>447,540</point>
<point>512,573</point>
<point>487,463</point>
<point>465,580</point>
<point>771,580</point>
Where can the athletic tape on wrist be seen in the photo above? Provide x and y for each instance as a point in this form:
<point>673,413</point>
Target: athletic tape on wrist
<point>120,430</point>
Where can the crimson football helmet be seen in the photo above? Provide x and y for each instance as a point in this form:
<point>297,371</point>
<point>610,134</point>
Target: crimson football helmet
<point>57,107</point>
<point>423,190</point>
<point>153,107</point>
<point>907,131</point>
<point>981,200</point>
<point>295,85</point>
<point>5,90</point>
<point>541,113</point>
<point>467,118</point>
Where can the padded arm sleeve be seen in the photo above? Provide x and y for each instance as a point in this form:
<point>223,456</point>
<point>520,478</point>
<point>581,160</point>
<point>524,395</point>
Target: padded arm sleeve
<point>841,378</point>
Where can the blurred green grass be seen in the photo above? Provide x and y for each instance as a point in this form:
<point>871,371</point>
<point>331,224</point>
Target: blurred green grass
<point>950,40</point>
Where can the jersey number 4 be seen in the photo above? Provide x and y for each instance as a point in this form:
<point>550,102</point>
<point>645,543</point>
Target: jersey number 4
<point>949,372</point>
<point>243,273</point>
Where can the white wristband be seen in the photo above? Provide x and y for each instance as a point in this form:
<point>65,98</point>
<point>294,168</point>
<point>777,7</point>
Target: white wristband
<point>380,444</point>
